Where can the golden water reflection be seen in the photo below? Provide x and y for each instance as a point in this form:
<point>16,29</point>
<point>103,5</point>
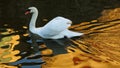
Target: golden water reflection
<point>14,48</point>
<point>7,52</point>
<point>101,40</point>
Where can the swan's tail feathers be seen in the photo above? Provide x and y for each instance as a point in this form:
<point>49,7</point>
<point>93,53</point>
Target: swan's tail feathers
<point>71,34</point>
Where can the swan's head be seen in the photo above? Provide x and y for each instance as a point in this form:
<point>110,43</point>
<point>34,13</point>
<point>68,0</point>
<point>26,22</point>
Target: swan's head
<point>31,10</point>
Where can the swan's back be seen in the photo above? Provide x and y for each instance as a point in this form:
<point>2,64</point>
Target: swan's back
<point>56,25</point>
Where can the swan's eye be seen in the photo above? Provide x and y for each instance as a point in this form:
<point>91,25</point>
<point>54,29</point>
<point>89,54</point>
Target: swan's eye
<point>28,10</point>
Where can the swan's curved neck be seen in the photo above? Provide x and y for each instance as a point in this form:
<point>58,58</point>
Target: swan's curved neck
<point>32,25</point>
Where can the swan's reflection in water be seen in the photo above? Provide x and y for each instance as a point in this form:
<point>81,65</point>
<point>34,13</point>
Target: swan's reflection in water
<point>102,38</point>
<point>14,49</point>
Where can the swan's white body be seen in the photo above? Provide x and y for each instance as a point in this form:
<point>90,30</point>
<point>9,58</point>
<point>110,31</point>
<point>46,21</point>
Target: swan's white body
<point>55,29</point>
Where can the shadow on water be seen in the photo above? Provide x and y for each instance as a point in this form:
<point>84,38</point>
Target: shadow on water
<point>14,49</point>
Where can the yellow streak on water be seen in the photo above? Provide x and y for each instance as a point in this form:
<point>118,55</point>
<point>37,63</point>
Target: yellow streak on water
<point>8,55</point>
<point>25,27</point>
<point>25,34</point>
<point>7,66</point>
<point>14,41</point>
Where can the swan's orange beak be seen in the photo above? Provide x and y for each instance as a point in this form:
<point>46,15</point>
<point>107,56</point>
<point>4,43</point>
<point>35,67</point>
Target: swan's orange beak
<point>27,12</point>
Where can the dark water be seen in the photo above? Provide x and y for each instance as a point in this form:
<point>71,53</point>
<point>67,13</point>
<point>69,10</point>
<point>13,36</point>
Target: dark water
<point>15,50</point>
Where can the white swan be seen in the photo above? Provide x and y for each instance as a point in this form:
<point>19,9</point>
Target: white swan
<point>55,29</point>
